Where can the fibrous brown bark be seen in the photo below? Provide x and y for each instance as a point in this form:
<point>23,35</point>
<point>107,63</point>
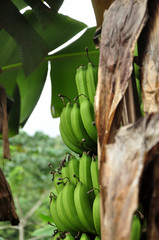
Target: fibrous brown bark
<point>7,207</point>
<point>149,59</point>
<point>122,25</point>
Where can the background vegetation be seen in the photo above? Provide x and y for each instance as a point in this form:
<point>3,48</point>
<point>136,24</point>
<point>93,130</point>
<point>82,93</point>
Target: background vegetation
<point>29,177</point>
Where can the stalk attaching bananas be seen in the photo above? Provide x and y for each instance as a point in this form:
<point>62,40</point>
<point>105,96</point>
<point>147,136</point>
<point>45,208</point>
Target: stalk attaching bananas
<point>58,186</point>
<point>56,236</point>
<point>88,118</point>
<point>96,214</point>
<point>83,207</point>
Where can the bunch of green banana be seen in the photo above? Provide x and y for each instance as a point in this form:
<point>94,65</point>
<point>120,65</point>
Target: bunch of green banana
<point>77,120</point>
<point>73,209</point>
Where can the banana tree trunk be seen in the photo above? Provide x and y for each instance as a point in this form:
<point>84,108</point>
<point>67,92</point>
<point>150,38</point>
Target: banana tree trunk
<point>126,152</point>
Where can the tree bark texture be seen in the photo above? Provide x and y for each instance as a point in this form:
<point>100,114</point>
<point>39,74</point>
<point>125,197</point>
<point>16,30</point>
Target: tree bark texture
<point>125,153</point>
<point>7,207</point>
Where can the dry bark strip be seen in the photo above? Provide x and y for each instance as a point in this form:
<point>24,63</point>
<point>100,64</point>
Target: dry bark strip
<point>134,156</point>
<point>7,207</point>
<point>122,25</point>
<point>4,122</point>
<point>149,59</point>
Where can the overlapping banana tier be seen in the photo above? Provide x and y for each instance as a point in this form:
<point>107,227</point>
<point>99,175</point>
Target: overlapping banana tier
<point>77,120</point>
<point>75,203</point>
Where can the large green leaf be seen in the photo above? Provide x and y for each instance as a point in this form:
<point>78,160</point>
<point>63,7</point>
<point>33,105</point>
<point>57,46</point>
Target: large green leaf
<point>62,29</point>
<point>64,65</point>
<point>57,33</point>
<point>30,89</point>
<point>20,4</point>
<point>32,46</point>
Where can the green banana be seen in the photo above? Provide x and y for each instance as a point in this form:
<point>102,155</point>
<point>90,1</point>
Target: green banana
<point>67,132</point>
<point>91,80</point>
<point>135,228</point>
<point>83,207</point>
<point>63,216</point>
<point>95,174</point>
<point>81,82</point>
<point>79,130</point>
<point>69,206</point>
<point>73,169</point>
<point>96,214</point>
<point>68,236</point>
<point>85,174</point>
<point>97,238</point>
<point>84,236</point>
<point>68,141</point>
<point>58,186</point>
<point>54,213</point>
<point>88,118</point>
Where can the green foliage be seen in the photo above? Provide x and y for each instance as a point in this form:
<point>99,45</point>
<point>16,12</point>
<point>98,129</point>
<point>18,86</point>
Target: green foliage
<point>29,177</point>
<point>64,65</point>
<point>25,41</point>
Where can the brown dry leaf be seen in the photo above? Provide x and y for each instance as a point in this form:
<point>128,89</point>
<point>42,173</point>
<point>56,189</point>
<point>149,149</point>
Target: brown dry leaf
<point>7,207</point>
<point>150,61</point>
<point>120,32</point>
<point>127,159</point>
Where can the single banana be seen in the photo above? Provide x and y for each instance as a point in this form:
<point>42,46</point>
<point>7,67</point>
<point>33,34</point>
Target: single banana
<point>91,80</point>
<point>88,118</point>
<point>73,169</point>
<point>135,228</point>
<point>66,130</point>
<point>95,173</point>
<point>83,207</point>
<point>97,238</point>
<point>69,206</point>
<point>58,184</point>
<point>68,141</point>
<point>63,216</point>
<point>67,123</point>
<point>81,82</point>
<point>96,214</point>
<point>84,236</point>
<point>68,236</point>
<point>79,130</point>
<point>85,174</point>
<point>54,214</point>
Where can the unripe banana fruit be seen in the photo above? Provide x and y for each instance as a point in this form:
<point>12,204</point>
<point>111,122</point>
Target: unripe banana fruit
<point>84,236</point>
<point>88,118</point>
<point>135,228</point>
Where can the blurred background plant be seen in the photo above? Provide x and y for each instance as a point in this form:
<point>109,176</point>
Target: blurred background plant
<point>29,177</point>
